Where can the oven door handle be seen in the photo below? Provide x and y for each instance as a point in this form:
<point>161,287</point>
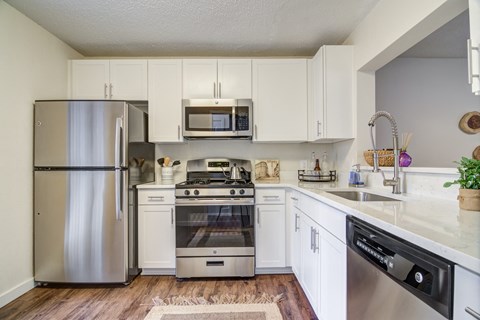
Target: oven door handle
<point>214,202</point>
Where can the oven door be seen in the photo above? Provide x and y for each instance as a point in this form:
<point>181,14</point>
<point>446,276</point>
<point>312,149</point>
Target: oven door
<point>214,228</point>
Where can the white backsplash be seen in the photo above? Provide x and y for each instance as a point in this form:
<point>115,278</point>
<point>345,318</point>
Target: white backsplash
<point>291,155</point>
<point>419,181</point>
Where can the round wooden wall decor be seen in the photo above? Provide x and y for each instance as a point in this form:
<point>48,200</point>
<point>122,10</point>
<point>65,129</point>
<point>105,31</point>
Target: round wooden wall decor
<point>476,153</point>
<point>470,122</point>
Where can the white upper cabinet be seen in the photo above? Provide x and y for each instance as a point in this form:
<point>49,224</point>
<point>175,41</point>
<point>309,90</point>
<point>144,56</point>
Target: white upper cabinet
<point>280,100</point>
<point>235,78</point>
<point>128,80</point>
<point>109,79</point>
<point>331,113</point>
<point>90,79</point>
<point>474,46</point>
<point>165,100</point>
<point>212,78</point>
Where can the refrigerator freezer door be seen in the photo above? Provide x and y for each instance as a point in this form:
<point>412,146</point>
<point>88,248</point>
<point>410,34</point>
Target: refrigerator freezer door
<point>80,133</point>
<point>81,235</point>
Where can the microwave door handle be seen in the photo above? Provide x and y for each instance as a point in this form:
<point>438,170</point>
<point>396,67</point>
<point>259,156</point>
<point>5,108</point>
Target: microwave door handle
<point>234,119</point>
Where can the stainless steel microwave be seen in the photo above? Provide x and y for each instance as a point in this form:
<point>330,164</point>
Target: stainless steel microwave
<point>217,118</point>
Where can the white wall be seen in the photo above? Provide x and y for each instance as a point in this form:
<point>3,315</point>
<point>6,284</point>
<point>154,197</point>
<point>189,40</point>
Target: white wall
<point>33,65</point>
<point>427,97</point>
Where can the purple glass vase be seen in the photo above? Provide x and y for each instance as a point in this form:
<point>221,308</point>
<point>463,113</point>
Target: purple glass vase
<point>405,159</point>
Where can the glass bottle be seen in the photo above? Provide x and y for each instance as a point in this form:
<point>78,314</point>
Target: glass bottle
<point>312,161</point>
<point>317,165</point>
<point>324,164</point>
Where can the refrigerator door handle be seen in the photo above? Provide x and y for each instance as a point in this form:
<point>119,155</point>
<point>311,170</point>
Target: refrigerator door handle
<point>118,142</point>
<point>118,194</point>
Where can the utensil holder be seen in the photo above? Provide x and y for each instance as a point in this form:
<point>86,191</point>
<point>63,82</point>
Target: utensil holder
<point>167,173</point>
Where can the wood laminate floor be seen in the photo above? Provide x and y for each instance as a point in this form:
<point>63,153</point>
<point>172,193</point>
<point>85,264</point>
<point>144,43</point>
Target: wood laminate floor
<point>134,301</point>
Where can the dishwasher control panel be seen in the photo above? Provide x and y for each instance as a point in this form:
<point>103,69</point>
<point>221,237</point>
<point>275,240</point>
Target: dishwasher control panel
<point>391,261</point>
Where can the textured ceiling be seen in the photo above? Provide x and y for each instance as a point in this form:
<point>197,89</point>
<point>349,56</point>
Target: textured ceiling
<point>197,27</point>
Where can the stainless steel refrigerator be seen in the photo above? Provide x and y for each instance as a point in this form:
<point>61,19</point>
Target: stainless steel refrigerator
<point>88,157</point>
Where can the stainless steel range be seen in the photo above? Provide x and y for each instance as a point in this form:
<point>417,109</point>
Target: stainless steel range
<point>215,220</point>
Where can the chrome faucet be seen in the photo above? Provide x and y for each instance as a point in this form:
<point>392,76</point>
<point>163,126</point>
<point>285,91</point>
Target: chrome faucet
<point>395,182</point>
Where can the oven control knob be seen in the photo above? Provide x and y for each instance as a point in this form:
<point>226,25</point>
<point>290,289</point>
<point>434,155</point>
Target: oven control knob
<point>186,192</point>
<point>196,192</point>
<point>242,191</point>
<point>232,192</point>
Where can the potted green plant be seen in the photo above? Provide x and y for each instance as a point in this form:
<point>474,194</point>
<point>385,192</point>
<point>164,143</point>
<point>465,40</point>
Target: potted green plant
<point>469,181</point>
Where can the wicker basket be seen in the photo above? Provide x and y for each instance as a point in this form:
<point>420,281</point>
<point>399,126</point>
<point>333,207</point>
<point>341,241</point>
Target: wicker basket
<point>385,157</point>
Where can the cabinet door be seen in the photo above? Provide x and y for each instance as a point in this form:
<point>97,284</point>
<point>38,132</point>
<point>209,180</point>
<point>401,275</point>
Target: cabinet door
<point>165,100</point>
<point>128,80</point>
<point>270,236</point>
<point>474,54</point>
<point>156,236</point>
<point>466,294</point>
<point>296,241</point>
<point>235,78</point>
<point>332,76</point>
<point>280,99</point>
<point>310,260</point>
<point>90,79</point>
<point>200,78</point>
<point>333,277</point>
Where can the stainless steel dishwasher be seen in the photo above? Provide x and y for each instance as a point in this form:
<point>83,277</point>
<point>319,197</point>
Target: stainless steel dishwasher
<point>391,279</point>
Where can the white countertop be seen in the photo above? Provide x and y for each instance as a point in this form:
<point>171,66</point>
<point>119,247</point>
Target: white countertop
<point>434,224</point>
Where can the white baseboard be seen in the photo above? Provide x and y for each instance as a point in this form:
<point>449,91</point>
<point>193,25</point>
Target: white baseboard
<point>273,270</point>
<point>14,293</point>
<point>158,271</point>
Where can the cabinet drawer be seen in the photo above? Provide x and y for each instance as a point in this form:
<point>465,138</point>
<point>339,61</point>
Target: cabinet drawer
<point>269,196</point>
<point>466,294</point>
<point>155,197</point>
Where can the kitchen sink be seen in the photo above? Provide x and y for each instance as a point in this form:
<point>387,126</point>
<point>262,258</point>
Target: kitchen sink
<point>360,196</point>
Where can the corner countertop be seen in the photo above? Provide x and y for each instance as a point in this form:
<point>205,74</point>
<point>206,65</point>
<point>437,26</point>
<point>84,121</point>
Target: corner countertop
<point>436,225</point>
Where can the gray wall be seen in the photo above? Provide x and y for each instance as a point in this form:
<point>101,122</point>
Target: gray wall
<point>427,97</point>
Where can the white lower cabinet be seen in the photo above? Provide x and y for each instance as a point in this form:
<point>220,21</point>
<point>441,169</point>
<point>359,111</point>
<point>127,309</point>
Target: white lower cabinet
<point>466,296</point>
<point>293,232</point>
<point>270,228</point>
<point>319,258</point>
<point>156,230</point>
<point>310,260</point>
<point>333,280</point>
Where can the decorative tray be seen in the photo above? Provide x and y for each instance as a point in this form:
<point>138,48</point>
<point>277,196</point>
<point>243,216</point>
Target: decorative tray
<point>316,176</point>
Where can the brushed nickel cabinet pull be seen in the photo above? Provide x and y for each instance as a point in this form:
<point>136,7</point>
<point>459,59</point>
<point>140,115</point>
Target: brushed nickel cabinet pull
<point>171,215</point>
<point>105,91</point>
<point>316,244</point>
<point>473,313</point>
<point>111,87</point>
<point>470,73</point>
